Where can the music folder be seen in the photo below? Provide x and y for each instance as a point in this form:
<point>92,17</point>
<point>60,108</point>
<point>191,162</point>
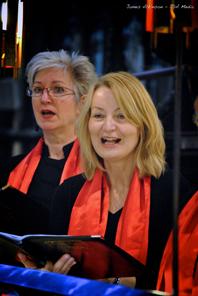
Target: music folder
<point>96,259</point>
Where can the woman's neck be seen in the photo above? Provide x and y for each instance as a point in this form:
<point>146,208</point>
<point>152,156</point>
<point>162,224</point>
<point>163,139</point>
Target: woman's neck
<point>55,144</point>
<point>119,177</point>
<point>119,174</point>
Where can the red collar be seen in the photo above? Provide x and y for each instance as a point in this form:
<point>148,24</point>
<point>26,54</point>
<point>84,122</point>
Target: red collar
<point>21,177</point>
<point>90,212</point>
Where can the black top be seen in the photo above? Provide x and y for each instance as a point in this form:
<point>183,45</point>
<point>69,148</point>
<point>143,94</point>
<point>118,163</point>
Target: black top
<point>47,176</point>
<point>112,223</point>
<point>160,222</point>
<point>25,214</point>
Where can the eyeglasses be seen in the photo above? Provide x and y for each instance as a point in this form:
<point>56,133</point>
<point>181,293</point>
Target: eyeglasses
<point>55,91</point>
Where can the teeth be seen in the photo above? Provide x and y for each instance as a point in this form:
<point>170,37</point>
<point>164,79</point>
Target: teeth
<point>110,140</point>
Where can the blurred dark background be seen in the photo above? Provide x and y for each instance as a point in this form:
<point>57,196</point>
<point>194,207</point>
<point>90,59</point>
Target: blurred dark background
<point>114,37</point>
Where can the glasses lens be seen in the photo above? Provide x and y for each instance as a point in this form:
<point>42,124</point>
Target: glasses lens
<point>58,91</point>
<point>37,91</point>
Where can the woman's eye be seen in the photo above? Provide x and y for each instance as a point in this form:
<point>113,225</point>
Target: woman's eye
<point>58,90</point>
<point>37,90</point>
<point>120,116</point>
<point>98,115</point>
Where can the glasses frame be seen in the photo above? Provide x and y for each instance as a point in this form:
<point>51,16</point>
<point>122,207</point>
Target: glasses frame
<point>29,92</point>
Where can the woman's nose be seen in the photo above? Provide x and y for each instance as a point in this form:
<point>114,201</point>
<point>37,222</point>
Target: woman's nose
<point>109,124</point>
<point>45,97</point>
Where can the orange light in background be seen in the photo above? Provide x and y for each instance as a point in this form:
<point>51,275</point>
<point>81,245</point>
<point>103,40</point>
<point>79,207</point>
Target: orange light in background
<point>172,17</point>
<point>149,15</point>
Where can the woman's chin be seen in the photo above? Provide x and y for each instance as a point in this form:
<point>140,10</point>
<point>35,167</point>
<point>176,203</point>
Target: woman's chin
<point>48,127</point>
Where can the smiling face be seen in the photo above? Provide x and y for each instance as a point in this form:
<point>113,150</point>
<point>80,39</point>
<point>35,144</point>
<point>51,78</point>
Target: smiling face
<point>55,114</point>
<point>113,137</point>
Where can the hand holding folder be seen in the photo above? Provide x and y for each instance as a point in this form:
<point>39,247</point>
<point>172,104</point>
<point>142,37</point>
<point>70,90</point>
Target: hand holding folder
<point>95,258</point>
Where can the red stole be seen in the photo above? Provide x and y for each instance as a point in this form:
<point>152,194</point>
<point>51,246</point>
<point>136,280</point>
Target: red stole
<point>195,280</point>
<point>188,251</point>
<point>90,212</point>
<point>21,177</point>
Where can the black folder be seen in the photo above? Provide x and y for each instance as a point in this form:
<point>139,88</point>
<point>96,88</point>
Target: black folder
<point>96,259</point>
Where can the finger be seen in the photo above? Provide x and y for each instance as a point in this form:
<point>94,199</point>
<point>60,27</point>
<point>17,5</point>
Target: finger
<point>66,267</point>
<point>64,264</point>
<point>26,260</point>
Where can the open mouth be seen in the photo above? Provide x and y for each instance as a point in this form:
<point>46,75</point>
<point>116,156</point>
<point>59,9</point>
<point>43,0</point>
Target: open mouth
<point>110,140</point>
<point>47,112</point>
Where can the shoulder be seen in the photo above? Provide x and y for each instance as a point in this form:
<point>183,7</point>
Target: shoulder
<point>7,165</point>
<point>12,161</point>
<point>73,184</point>
<point>67,192</point>
<point>162,188</point>
<point>165,179</point>
<point>63,202</point>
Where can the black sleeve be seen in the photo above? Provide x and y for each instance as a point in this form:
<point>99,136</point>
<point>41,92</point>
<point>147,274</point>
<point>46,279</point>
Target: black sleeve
<point>160,226</point>
<point>62,204</point>
<point>19,214</point>
<point>6,166</point>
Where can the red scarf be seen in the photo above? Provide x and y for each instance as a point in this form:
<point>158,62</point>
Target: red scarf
<point>90,212</point>
<point>195,280</point>
<point>188,251</point>
<point>21,177</point>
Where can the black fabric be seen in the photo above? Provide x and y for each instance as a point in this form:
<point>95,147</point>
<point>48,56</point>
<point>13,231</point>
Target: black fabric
<point>112,223</point>
<point>160,223</point>
<point>63,203</point>
<point>161,213</point>
<point>19,214</point>
<point>24,214</point>
<point>6,166</point>
<point>47,177</point>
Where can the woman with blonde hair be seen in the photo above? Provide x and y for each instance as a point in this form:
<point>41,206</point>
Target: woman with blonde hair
<point>125,194</point>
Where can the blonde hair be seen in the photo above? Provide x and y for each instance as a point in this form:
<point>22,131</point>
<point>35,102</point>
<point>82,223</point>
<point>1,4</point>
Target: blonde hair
<point>138,108</point>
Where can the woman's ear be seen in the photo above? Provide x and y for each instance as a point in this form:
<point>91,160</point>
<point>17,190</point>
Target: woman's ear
<point>81,103</point>
<point>82,100</point>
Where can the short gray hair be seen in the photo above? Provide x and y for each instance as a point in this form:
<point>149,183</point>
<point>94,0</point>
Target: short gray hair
<point>80,67</point>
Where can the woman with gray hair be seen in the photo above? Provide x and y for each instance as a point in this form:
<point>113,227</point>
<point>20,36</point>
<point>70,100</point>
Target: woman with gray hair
<point>57,83</point>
